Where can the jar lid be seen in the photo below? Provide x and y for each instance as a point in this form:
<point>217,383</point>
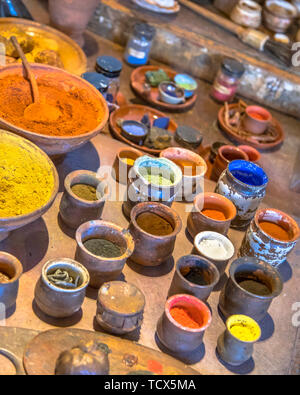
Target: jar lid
<point>108,65</point>
<point>144,30</point>
<point>232,67</point>
<point>99,81</point>
<point>188,136</point>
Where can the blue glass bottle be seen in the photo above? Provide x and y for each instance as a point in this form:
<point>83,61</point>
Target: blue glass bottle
<point>139,45</point>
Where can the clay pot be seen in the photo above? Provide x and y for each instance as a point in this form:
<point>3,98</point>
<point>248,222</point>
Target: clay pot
<point>262,245</point>
<point>141,190</point>
<point>244,183</point>
<point>75,211</point>
<point>60,302</point>
<point>220,263</point>
<point>253,125</point>
<point>198,222</point>
<point>226,154</point>
<point>72,16</point>
<point>252,153</point>
<point>12,267</point>
<point>191,184</point>
<point>151,250</point>
<point>235,299</point>
<point>214,150</point>
<point>207,270</point>
<point>102,269</point>
<point>120,307</point>
<point>176,337</point>
<point>233,350</point>
<point>120,168</point>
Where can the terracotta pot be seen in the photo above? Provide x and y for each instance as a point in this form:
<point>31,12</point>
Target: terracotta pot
<point>220,262</point>
<point>226,154</point>
<point>262,245</point>
<point>214,150</point>
<point>252,153</point>
<point>209,276</point>
<point>72,16</point>
<point>235,299</point>
<point>120,168</point>
<point>75,211</point>
<point>198,222</point>
<point>176,337</point>
<point>254,125</point>
<point>244,183</point>
<point>153,250</point>
<point>120,307</point>
<point>12,267</point>
<point>232,349</point>
<point>191,184</point>
<point>59,302</point>
<point>102,269</point>
<point>141,190</point>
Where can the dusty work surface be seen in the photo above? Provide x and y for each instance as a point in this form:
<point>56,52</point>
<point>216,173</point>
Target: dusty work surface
<point>47,238</point>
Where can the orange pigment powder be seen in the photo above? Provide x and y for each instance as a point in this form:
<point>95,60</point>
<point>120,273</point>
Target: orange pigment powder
<point>214,214</point>
<point>275,231</point>
<point>184,318</point>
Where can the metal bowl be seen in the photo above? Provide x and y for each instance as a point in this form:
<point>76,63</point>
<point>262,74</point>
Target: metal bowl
<point>56,145</point>
<point>11,223</point>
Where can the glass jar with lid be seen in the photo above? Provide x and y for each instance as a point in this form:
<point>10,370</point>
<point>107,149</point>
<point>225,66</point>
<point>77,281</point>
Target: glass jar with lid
<point>111,68</point>
<point>139,44</point>
<point>227,80</point>
<point>99,81</point>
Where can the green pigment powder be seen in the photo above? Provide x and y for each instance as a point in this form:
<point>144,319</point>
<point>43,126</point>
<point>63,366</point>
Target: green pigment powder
<point>253,286</point>
<point>84,191</point>
<point>103,248</point>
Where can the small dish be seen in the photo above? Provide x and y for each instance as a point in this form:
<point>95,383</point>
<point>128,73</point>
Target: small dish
<point>170,93</point>
<point>134,131</point>
<point>256,119</point>
<point>187,83</point>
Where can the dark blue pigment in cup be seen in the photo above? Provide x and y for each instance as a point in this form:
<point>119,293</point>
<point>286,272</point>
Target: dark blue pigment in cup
<point>248,173</point>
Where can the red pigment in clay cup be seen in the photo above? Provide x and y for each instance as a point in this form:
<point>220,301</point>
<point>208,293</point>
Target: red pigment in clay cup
<point>256,119</point>
<point>177,337</point>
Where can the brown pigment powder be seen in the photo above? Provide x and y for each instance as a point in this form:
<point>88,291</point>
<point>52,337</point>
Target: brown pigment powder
<point>154,224</point>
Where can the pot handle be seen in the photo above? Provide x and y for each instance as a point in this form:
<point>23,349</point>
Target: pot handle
<point>14,360</point>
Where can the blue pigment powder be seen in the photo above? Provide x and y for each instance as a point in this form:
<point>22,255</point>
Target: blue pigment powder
<point>134,129</point>
<point>248,173</point>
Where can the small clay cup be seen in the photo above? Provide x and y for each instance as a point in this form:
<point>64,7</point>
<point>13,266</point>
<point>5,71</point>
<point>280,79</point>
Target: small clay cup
<point>176,337</point>
<point>12,267</point>
<point>198,222</point>
<point>221,264</point>
<point>102,269</point>
<point>254,125</point>
<point>120,168</point>
<point>60,302</point>
<point>262,245</point>
<point>120,307</point>
<point>151,250</point>
<point>252,153</point>
<point>75,211</point>
<point>226,154</point>
<point>234,299</point>
<point>207,271</point>
<point>190,182</point>
<point>232,349</point>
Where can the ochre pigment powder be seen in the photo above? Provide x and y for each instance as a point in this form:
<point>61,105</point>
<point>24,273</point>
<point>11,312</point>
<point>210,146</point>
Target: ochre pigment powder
<point>184,318</point>
<point>79,112</point>
<point>187,167</point>
<point>275,231</point>
<point>154,224</point>
<point>4,278</point>
<point>85,192</point>
<point>214,214</point>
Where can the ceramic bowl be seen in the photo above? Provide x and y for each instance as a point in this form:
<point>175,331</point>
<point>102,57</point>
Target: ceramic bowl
<point>55,145</point>
<point>252,123</point>
<point>187,83</point>
<point>170,93</point>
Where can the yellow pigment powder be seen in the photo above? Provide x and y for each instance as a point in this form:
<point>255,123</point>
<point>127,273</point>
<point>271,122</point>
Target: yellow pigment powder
<point>244,329</point>
<point>26,178</point>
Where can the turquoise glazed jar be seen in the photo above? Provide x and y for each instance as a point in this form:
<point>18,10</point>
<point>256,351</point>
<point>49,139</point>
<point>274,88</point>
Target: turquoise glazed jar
<point>244,183</point>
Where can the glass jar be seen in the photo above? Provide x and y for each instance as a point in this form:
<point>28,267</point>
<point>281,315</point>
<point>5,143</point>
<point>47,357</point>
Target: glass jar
<point>139,44</point>
<point>99,81</point>
<point>110,68</point>
<point>227,80</point>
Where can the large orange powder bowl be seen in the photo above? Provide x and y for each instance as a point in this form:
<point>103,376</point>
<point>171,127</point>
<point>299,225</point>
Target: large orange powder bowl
<point>84,111</point>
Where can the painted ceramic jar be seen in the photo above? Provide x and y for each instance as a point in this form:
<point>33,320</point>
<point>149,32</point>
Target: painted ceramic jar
<point>179,338</point>
<point>235,345</point>
<point>250,288</point>
<point>194,275</point>
<point>244,183</point>
<point>270,237</point>
<point>152,179</point>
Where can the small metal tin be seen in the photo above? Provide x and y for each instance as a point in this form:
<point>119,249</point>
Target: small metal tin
<point>188,137</point>
<point>109,66</point>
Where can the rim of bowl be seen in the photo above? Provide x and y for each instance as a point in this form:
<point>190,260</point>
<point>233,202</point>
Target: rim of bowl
<point>285,5</point>
<point>246,318</point>
<point>218,236</point>
<point>12,260</point>
<point>234,149</point>
<point>249,164</point>
<point>217,196</point>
